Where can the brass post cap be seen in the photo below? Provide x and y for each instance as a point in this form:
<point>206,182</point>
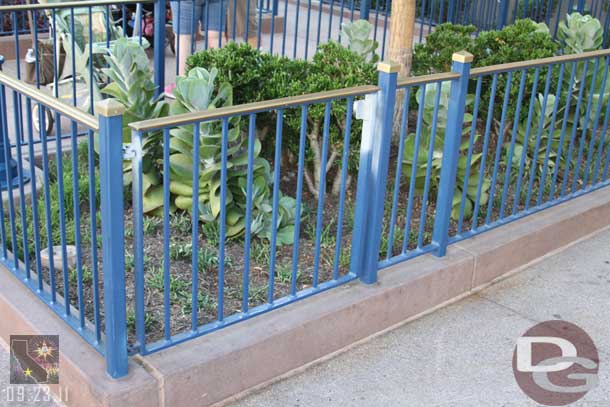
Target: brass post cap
<point>109,108</point>
<point>464,57</point>
<point>388,67</point>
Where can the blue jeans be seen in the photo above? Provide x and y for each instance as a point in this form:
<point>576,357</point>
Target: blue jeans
<point>186,15</point>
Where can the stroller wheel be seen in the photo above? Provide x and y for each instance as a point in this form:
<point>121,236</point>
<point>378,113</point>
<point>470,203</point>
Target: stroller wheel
<point>47,118</point>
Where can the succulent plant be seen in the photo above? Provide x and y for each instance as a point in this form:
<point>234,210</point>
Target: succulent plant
<point>358,34</point>
<point>197,92</point>
<point>580,33</point>
<point>131,84</point>
<point>420,161</point>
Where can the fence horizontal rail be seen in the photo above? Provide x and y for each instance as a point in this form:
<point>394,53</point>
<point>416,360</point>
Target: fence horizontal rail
<point>69,4</point>
<point>57,105</point>
<point>425,79</point>
<point>514,66</point>
<point>248,108</point>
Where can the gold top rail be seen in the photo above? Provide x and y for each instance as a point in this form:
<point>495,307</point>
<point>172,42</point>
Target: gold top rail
<point>50,102</point>
<point>420,80</point>
<point>534,63</point>
<point>70,4</point>
<point>248,108</point>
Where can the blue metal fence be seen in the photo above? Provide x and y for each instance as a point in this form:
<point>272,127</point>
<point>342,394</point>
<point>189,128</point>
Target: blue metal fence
<point>440,158</point>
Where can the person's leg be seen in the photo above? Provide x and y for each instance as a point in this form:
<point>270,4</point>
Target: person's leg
<point>216,23</point>
<point>184,24</point>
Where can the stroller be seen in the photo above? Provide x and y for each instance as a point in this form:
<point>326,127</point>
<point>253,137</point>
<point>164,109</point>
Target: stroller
<point>80,38</point>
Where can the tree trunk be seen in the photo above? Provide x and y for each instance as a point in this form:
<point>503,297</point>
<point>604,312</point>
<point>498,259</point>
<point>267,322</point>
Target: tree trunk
<point>400,51</point>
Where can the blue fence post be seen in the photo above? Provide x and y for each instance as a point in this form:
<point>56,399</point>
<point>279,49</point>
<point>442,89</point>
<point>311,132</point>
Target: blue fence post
<point>159,45</point>
<point>581,6</point>
<point>372,174</point>
<point>451,151</point>
<point>113,231</point>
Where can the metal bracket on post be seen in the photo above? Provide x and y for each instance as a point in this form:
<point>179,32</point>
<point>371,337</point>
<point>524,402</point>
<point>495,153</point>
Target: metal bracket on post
<point>113,234</point>
<point>377,111</point>
<point>451,147</point>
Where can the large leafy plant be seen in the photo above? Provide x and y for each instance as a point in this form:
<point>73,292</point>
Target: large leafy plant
<point>197,92</point>
<point>580,33</point>
<point>532,147</point>
<point>358,35</point>
<point>132,85</point>
<point>419,159</point>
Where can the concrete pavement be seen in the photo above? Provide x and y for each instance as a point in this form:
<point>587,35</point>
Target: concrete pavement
<point>461,355</point>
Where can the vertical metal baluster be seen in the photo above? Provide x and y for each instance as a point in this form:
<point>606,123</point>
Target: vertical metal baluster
<point>166,236</point>
<point>595,127</point>
<point>223,216</point>
<point>62,212</point>
<point>249,191</point>
<point>321,193</point>
<point>404,126</point>
<point>296,29</point>
<point>307,30</point>
<point>494,176</point>
<point>566,171</point>
<point>344,165</point>
<point>77,231</point>
<point>299,199</point>
<point>424,201</point>
<point>473,130</point>
<point>276,196</point>
<point>511,150</point>
<point>551,135</point>
<point>526,141</point>
<point>602,144</point>
<point>34,202</point>
<point>534,164</point>
<point>414,164</point>
<point>586,127</point>
<point>9,181</point>
<point>285,27</point>
<point>195,228</point>
<point>138,237</point>
<point>94,253</point>
<point>490,109</point>
<point>563,131</point>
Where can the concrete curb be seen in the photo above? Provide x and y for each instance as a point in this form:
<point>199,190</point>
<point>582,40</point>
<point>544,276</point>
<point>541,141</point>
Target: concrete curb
<point>218,366</point>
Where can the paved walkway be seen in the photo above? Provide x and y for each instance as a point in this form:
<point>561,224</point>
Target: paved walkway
<point>462,354</point>
<point>458,356</point>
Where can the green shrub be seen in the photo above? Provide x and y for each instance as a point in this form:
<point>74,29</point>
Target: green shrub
<point>434,56</point>
<point>262,77</point>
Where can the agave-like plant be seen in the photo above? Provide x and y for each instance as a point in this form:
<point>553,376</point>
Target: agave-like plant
<point>580,33</point>
<point>132,85</point>
<point>358,36</point>
<point>419,158</point>
<point>197,92</point>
